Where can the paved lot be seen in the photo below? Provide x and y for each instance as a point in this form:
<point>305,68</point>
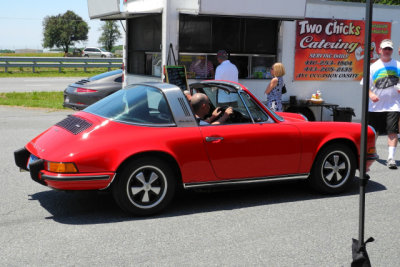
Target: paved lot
<point>280,224</point>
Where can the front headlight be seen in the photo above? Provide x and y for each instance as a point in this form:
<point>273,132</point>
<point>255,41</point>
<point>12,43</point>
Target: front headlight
<point>60,167</point>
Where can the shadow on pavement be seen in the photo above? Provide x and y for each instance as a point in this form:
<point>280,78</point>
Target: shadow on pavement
<point>98,208</point>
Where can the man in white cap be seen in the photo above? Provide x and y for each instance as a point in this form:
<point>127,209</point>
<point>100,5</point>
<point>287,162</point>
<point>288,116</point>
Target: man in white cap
<point>384,104</point>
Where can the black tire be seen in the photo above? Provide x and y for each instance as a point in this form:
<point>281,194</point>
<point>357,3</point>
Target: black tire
<point>133,191</point>
<point>334,169</point>
<point>103,56</point>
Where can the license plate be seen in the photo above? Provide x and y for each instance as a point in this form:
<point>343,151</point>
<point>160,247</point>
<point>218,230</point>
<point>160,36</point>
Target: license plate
<point>32,158</point>
<point>66,99</point>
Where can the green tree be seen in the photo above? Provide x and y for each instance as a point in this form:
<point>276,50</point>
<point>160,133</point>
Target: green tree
<point>110,34</point>
<point>63,30</point>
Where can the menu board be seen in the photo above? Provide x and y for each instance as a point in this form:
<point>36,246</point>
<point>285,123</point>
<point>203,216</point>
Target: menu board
<point>176,75</point>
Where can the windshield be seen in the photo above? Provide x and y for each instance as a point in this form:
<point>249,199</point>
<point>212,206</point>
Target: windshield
<point>105,74</point>
<point>279,118</point>
<point>102,49</point>
<point>137,104</point>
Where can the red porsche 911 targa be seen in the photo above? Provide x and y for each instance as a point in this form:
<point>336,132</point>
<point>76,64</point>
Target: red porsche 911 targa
<point>144,141</point>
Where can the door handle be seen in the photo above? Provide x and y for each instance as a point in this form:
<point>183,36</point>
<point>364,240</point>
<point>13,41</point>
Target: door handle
<point>214,138</point>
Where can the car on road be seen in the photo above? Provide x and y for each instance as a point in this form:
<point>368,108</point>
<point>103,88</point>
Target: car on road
<point>96,52</point>
<point>144,142</point>
<point>85,92</point>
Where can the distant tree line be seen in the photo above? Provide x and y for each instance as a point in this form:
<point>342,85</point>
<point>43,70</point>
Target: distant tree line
<point>382,2</point>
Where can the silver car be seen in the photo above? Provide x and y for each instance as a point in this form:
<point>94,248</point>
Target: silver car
<point>96,52</point>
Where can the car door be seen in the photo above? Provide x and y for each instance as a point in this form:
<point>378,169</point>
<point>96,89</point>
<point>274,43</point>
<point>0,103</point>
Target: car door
<point>96,52</point>
<point>252,150</point>
<point>248,150</point>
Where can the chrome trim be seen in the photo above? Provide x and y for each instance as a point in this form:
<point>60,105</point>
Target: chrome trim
<point>248,181</point>
<point>75,178</point>
<point>372,156</point>
<point>240,92</point>
<point>142,124</point>
<point>112,180</point>
<point>373,129</point>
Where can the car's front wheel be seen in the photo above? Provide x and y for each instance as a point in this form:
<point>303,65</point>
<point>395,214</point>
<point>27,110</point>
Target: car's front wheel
<point>333,169</point>
<point>144,187</point>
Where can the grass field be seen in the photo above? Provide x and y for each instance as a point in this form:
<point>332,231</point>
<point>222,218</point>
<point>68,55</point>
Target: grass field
<point>32,54</point>
<point>51,100</point>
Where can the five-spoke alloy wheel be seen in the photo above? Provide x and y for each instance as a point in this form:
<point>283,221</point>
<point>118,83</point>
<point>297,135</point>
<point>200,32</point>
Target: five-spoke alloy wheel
<point>334,169</point>
<point>145,186</point>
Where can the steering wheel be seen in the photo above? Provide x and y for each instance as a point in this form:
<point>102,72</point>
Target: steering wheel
<point>236,116</point>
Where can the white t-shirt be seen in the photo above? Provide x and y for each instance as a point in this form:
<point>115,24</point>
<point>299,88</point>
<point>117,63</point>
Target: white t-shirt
<point>383,78</point>
<point>228,72</point>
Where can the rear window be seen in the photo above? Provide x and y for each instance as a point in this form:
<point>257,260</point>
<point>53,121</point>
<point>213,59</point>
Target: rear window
<point>105,74</point>
<point>138,104</point>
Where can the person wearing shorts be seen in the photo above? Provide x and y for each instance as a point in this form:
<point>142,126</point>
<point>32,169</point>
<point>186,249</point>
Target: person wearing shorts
<point>384,97</point>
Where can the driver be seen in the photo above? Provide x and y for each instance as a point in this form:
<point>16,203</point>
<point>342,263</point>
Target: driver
<point>201,107</point>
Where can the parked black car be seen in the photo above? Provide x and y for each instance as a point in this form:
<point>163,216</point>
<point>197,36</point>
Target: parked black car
<point>85,92</point>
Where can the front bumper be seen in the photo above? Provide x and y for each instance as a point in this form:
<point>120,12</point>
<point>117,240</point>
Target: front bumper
<point>61,181</point>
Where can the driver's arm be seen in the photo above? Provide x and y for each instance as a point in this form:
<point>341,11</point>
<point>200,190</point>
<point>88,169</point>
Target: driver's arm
<point>224,117</point>
<point>214,115</point>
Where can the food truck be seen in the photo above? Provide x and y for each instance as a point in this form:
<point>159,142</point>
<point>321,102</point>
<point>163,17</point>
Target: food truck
<point>320,43</point>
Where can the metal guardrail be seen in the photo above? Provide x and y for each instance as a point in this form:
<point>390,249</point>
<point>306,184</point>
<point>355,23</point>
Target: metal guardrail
<point>59,62</point>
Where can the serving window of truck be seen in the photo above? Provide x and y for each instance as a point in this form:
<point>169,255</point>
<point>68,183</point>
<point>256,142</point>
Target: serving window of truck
<point>251,42</point>
<point>144,45</point>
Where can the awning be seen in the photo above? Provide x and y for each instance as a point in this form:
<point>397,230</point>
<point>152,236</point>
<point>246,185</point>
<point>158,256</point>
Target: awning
<point>129,15</point>
<point>100,8</point>
<point>109,10</point>
<point>280,9</point>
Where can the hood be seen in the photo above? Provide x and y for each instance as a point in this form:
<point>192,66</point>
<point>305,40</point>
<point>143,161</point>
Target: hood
<point>292,117</point>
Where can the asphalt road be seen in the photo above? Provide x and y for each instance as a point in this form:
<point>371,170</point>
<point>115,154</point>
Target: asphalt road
<point>279,224</point>
<point>36,84</point>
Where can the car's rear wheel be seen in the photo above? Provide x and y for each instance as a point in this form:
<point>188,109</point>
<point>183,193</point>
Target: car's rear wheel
<point>333,169</point>
<point>144,187</point>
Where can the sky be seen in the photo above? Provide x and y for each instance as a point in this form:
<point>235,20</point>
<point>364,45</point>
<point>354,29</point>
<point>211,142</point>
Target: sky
<point>21,22</point>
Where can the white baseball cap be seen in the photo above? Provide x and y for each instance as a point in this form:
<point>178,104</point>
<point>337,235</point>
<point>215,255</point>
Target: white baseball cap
<point>386,43</point>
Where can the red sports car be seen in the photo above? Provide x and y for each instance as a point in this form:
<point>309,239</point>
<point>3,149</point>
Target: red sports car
<point>144,141</point>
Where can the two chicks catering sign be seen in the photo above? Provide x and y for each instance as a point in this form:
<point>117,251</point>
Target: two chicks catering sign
<point>330,49</point>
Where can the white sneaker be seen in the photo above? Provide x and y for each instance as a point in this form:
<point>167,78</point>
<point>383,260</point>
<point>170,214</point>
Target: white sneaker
<point>391,164</point>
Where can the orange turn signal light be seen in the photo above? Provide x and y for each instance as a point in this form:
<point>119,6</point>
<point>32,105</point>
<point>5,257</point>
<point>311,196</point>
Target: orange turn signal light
<point>61,167</point>
<point>371,150</point>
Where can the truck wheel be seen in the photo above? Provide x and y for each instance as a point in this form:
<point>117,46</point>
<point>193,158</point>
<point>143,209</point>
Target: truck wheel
<point>144,187</point>
<point>334,169</point>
